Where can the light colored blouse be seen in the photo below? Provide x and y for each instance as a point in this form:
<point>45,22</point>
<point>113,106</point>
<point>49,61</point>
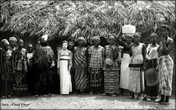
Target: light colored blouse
<point>64,55</point>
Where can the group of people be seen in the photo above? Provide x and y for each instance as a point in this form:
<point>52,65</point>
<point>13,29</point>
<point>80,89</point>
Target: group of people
<point>121,65</point>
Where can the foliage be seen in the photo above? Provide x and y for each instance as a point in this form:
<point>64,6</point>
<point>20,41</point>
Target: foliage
<point>83,18</point>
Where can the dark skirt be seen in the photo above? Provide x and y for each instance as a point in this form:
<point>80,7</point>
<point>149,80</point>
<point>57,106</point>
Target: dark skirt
<point>81,79</point>
<point>6,84</point>
<point>111,81</point>
<point>96,80</point>
<point>152,91</point>
<point>151,78</point>
<point>20,85</point>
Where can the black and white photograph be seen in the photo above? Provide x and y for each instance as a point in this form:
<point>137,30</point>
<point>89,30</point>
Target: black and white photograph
<point>87,54</point>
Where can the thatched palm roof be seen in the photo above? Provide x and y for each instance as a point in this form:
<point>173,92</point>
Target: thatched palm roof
<point>86,18</point>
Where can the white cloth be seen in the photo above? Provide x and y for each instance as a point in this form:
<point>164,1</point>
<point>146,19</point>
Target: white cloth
<point>152,52</point>
<point>65,78</point>
<point>128,29</point>
<point>125,70</point>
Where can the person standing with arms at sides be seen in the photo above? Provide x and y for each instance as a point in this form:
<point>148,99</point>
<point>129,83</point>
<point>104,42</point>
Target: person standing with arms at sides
<point>44,61</point>
<point>96,64</point>
<point>151,74</point>
<point>13,48</point>
<point>136,65</point>
<point>128,31</point>
<point>30,75</point>
<point>21,68</point>
<point>111,68</point>
<point>64,64</point>
<point>165,66</point>
<point>5,69</point>
<point>80,66</point>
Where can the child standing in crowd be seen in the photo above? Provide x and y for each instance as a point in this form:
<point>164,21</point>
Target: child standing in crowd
<point>96,63</point>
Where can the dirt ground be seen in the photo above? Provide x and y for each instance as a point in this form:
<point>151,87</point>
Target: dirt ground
<point>81,102</point>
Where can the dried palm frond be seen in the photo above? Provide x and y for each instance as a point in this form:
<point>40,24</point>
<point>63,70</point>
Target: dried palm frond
<point>83,18</point>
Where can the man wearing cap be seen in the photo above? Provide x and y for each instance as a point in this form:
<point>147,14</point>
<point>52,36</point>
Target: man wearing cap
<point>96,64</point>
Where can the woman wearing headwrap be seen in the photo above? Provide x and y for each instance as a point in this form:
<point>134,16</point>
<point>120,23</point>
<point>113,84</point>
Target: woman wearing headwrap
<point>30,74</point>
<point>151,74</point>
<point>21,68</point>
<point>43,62</point>
<point>80,66</point>
<point>13,47</point>
<point>165,66</point>
<point>136,65</point>
<point>111,68</point>
<point>96,64</point>
<point>64,64</point>
<point>13,43</point>
<point>128,31</point>
<point>5,69</point>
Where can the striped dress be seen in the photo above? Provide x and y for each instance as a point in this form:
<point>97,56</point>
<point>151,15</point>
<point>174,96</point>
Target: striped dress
<point>80,67</point>
<point>111,73</point>
<point>5,72</point>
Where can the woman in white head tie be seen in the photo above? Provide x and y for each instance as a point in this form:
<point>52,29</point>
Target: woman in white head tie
<point>128,31</point>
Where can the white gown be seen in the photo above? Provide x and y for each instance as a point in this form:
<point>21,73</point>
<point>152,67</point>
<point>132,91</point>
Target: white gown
<point>125,71</point>
<point>65,77</point>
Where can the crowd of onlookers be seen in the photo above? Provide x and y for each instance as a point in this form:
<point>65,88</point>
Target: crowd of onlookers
<point>144,70</point>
